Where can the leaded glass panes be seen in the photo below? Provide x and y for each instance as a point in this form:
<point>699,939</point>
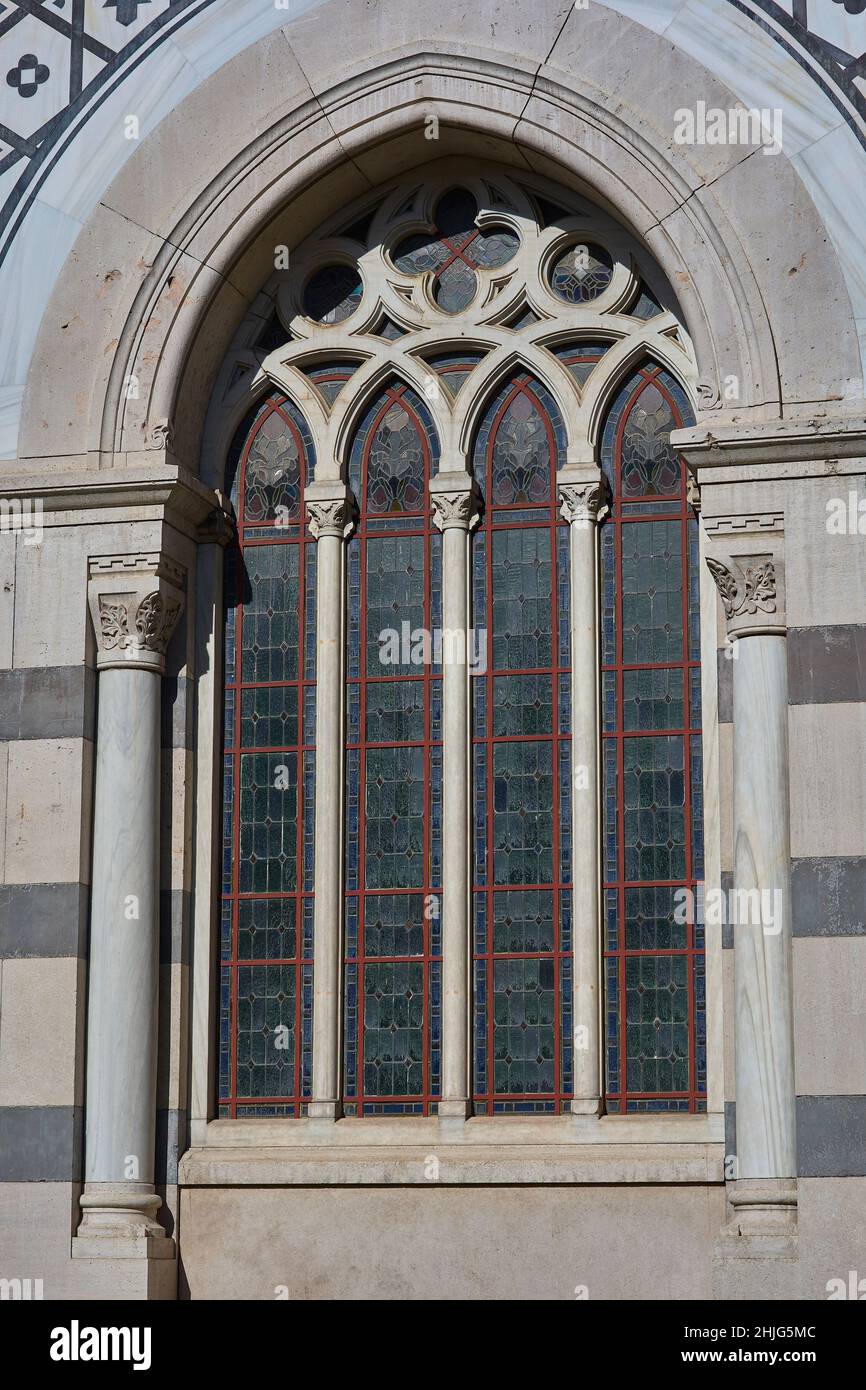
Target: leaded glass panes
<point>454,251</point>
<point>394,780</point>
<point>522,1058</point>
<point>655,1019</point>
<point>268,783</point>
<point>581,273</point>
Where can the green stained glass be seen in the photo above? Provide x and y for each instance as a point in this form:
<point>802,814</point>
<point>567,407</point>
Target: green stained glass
<point>394,818</point>
<point>394,924</point>
<point>268,823</point>
<point>266,1030</point>
<point>393,1028</point>
<point>394,577</point>
<point>395,711</point>
<point>652,592</point>
<point>269,717</point>
<point>522,585</point>
<point>650,923</point>
<point>271,613</point>
<point>523,921</point>
<point>267,928</point>
<point>522,705</point>
<point>654,821</point>
<point>657,1028</point>
<point>524,1026</point>
<point>652,699</point>
<point>523,813</point>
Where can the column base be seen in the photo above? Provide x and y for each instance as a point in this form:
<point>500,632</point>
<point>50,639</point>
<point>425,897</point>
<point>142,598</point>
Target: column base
<point>325,1110</point>
<point>586,1106</point>
<point>118,1221</point>
<point>454,1109</point>
<point>763,1219</point>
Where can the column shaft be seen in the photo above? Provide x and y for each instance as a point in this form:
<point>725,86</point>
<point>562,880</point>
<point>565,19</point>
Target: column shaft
<point>455,828</point>
<point>328,902</point>
<point>585,830</point>
<point>124,932</point>
<point>763,1018</point>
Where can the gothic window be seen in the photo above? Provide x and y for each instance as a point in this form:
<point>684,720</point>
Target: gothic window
<point>507,343</point>
<point>521,815</point>
<point>269,770</point>
<point>393,765</point>
<point>653,824</point>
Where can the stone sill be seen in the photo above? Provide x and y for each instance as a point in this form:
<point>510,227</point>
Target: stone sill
<point>492,1150</point>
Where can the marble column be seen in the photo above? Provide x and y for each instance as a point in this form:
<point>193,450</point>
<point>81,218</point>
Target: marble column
<point>749,573</point>
<point>135,602</point>
<point>456,512</point>
<point>330,508</point>
<point>584,495</point>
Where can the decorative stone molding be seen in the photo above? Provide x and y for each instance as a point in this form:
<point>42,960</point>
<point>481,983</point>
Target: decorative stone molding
<point>746,560</point>
<point>456,501</point>
<point>587,501</point>
<point>709,396</point>
<point>135,602</point>
<point>330,513</point>
<point>160,435</point>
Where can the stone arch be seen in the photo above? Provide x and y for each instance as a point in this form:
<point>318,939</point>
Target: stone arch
<point>737,237</point>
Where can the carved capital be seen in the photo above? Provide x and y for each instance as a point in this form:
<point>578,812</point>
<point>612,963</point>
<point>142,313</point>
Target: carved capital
<point>751,590</point>
<point>746,557</point>
<point>331,511</point>
<point>456,501</point>
<point>585,501</point>
<point>135,602</point>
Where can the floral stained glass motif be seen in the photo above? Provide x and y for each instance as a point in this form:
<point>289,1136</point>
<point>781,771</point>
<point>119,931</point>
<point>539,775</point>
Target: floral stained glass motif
<point>522,1048</point>
<point>269,771</point>
<point>393,767</point>
<point>455,251</point>
<point>581,273</point>
<point>655,1013</point>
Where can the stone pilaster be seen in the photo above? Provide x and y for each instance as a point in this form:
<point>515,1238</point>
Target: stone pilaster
<point>330,509</point>
<point>746,559</point>
<point>456,512</point>
<point>584,496</point>
<point>135,601</point>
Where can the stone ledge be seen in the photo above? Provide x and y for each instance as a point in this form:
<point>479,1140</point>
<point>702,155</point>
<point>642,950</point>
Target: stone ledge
<point>458,1165</point>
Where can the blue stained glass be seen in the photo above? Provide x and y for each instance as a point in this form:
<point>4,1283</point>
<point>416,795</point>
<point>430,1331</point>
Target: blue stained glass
<point>697,787</point>
<point>225,1032</point>
<point>565,810</point>
<point>523,813</point>
<point>228,823</point>
<point>309,867</point>
<point>581,273</point>
<point>611,793</point>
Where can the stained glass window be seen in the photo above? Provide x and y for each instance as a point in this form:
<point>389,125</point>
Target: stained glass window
<point>522,1049</point>
<point>581,273</point>
<point>333,294</point>
<point>268,771</point>
<point>655,1006</point>
<point>394,767</point>
<point>455,250</point>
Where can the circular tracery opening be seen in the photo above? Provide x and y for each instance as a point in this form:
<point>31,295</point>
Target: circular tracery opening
<point>581,273</point>
<point>454,249</point>
<point>332,294</point>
